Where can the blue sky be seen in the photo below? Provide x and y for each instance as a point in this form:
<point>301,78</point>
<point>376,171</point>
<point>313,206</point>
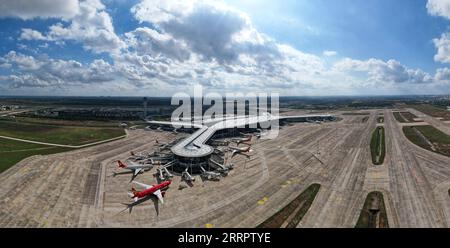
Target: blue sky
<point>359,29</point>
<point>155,47</point>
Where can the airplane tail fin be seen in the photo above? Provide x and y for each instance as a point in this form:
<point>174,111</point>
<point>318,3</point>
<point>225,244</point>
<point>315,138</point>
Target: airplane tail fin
<point>134,194</point>
<point>134,191</point>
<point>121,165</point>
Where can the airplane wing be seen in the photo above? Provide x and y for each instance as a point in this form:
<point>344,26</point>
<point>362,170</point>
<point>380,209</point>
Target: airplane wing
<point>143,185</point>
<point>136,172</point>
<point>159,195</point>
<point>135,199</point>
<point>233,153</point>
<point>133,163</point>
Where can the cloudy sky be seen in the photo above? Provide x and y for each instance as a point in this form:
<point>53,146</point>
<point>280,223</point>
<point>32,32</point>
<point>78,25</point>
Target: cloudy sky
<point>160,47</point>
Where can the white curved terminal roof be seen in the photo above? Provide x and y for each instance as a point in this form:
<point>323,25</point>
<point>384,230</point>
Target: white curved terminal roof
<point>195,145</point>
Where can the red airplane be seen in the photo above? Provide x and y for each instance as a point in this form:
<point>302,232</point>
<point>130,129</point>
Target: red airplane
<point>157,190</point>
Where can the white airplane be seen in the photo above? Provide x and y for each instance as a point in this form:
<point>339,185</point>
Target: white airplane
<point>137,156</point>
<point>134,167</point>
<point>161,145</point>
<point>243,151</point>
<point>242,140</point>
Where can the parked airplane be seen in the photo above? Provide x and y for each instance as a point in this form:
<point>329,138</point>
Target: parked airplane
<point>157,190</point>
<point>161,145</point>
<point>134,167</point>
<point>243,151</point>
<point>242,140</point>
<point>137,156</point>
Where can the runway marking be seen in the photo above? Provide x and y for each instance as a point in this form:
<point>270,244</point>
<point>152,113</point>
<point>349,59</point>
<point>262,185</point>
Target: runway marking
<point>287,183</point>
<point>263,201</point>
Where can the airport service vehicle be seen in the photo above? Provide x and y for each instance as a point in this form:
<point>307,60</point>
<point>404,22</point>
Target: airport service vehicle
<point>157,190</point>
<point>186,176</point>
<point>210,175</point>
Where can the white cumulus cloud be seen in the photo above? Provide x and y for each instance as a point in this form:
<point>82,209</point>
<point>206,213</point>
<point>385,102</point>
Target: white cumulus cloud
<point>179,43</point>
<point>46,72</point>
<point>30,34</point>
<point>442,45</point>
<point>385,71</point>
<point>91,26</point>
<point>329,53</point>
<point>439,8</point>
<point>29,9</point>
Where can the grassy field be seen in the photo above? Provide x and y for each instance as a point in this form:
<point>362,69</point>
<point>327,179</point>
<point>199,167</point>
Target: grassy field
<point>414,138</point>
<point>59,122</point>
<point>378,146</point>
<point>290,215</point>
<point>373,214</point>
<point>12,152</point>
<point>65,135</point>
<point>440,140</point>
<point>48,131</point>
<point>433,111</point>
<point>404,117</point>
<point>399,118</point>
<point>409,116</point>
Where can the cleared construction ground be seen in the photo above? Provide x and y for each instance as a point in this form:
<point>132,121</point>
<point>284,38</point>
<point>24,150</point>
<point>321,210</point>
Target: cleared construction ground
<point>290,215</point>
<point>430,138</point>
<point>77,189</point>
<point>373,214</point>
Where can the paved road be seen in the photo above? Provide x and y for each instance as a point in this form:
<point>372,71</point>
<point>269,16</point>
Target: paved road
<point>412,180</point>
<point>65,146</point>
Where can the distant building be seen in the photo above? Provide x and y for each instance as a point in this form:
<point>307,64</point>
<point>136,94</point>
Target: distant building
<point>5,108</point>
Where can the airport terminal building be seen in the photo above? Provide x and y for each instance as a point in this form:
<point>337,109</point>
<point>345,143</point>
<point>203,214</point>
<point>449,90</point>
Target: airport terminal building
<point>194,151</point>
